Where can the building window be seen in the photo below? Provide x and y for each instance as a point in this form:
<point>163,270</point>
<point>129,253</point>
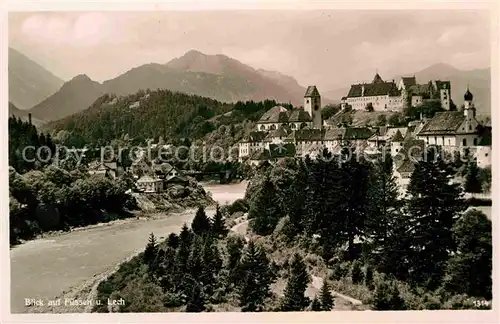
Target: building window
<point>307,101</point>
<point>475,141</point>
<point>464,142</point>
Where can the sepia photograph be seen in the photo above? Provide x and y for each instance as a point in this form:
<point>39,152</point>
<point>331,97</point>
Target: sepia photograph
<point>246,160</point>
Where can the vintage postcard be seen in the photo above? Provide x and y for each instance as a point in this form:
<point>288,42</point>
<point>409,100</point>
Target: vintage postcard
<point>333,161</point>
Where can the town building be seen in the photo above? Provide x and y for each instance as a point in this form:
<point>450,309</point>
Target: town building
<point>148,184</point>
<point>381,95</point>
<point>453,130</point>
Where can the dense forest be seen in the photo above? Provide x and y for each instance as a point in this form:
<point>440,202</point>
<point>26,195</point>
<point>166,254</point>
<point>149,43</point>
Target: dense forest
<point>353,210</point>
<point>154,115</point>
<point>44,196</point>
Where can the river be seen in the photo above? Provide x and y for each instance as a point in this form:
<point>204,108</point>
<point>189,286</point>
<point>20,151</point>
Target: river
<point>45,268</point>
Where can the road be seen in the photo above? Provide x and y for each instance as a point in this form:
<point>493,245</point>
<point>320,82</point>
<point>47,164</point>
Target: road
<point>45,268</point>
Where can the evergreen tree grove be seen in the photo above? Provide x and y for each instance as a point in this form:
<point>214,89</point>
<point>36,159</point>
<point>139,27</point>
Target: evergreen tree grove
<point>434,203</point>
<point>294,299</point>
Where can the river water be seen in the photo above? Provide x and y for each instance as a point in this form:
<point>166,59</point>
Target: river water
<point>45,268</point>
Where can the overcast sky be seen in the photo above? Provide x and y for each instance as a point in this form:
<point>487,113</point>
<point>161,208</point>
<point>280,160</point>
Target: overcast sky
<point>326,48</point>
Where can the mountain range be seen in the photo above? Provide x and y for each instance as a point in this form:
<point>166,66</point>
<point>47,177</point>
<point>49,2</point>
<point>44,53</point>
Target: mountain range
<point>214,76</point>
<point>29,82</point>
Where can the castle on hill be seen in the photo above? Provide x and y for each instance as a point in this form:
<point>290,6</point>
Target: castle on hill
<point>391,96</point>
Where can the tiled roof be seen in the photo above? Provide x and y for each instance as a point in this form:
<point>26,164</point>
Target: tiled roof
<point>253,137</point>
<point>280,132</point>
<point>311,91</point>
<point>334,134</point>
<point>299,115</point>
<point>277,114</point>
<point>307,135</point>
<point>357,133</point>
<point>374,89</point>
<point>406,166</point>
<point>377,79</point>
<point>146,178</point>
<point>409,81</point>
<point>443,123</point>
<point>413,149</point>
<point>397,137</point>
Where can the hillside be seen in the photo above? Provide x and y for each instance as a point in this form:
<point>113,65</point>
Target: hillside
<point>479,81</point>
<point>74,96</point>
<point>151,114</point>
<point>29,83</point>
<point>23,114</point>
<point>214,76</point>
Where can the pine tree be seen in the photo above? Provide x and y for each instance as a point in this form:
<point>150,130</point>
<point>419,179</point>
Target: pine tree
<point>235,245</point>
<point>256,279</point>
<point>212,262</point>
<point>196,303</point>
<point>184,250</point>
<point>173,241</point>
<point>263,212</point>
<point>151,250</point>
<point>433,205</point>
<point>201,223</point>
<point>472,180</point>
<point>326,297</point>
<point>316,305</point>
<point>294,299</point>
<point>295,197</point>
<point>356,272</point>
<point>469,270</point>
<point>219,227</point>
<point>195,261</point>
<point>384,210</point>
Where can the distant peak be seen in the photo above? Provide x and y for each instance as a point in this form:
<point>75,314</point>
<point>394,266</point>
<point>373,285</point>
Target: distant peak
<point>194,52</point>
<point>81,77</point>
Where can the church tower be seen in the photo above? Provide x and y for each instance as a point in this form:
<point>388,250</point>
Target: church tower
<point>469,109</point>
<point>312,105</point>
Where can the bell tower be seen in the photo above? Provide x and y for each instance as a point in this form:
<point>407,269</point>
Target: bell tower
<point>312,105</point>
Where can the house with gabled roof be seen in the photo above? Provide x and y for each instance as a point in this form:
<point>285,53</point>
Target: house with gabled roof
<point>453,130</point>
<point>251,143</point>
<point>149,184</point>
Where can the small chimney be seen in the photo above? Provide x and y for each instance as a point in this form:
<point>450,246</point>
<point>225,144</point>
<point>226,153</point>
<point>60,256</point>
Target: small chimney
<point>29,118</point>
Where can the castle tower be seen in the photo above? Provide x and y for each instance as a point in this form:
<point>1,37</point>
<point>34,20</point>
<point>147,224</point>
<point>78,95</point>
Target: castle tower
<point>312,105</point>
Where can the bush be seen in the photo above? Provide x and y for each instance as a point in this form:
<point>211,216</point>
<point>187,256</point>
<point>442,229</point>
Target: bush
<point>356,273</point>
<point>239,205</point>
